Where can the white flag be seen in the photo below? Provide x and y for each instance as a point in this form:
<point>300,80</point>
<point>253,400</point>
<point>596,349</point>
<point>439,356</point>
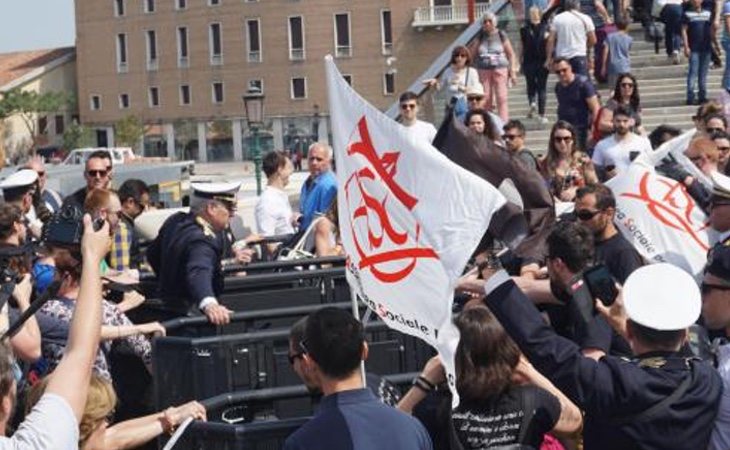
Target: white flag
<point>409,219</point>
<point>658,216</point>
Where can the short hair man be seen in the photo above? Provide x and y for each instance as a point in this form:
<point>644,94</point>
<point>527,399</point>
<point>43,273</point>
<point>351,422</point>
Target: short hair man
<point>134,196</point>
<point>703,153</point>
<point>595,208</point>
<point>577,99</point>
<point>571,34</point>
<point>51,198</point>
<point>98,175</point>
<point>571,250</point>
<point>614,154</point>
<point>349,415</point>
<point>659,303</point>
<point>409,118</point>
<point>187,253</point>
<point>320,188</point>
<point>722,141</point>
<point>19,188</point>
<point>514,141</point>
<point>716,313</point>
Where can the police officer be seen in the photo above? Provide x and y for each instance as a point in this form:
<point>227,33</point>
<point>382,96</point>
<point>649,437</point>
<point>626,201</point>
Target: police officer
<point>187,253</point>
<point>720,208</point>
<point>19,189</point>
<point>659,399</point>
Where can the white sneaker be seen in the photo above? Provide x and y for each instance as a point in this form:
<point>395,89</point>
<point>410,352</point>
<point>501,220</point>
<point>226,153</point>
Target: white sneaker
<point>533,109</point>
<point>675,57</point>
<point>543,120</point>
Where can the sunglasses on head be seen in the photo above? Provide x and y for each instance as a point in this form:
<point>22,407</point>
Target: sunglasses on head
<point>586,214</point>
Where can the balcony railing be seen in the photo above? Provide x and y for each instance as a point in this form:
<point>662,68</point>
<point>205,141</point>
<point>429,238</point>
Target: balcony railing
<point>436,16</point>
<point>152,65</point>
<point>183,62</point>
<point>122,67</point>
<point>254,56</point>
<point>343,51</point>
<point>296,54</point>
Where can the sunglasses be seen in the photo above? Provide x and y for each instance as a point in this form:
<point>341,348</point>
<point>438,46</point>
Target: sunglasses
<point>408,106</point>
<point>460,56</point>
<point>97,173</point>
<point>562,138</point>
<point>473,99</point>
<point>627,84</point>
<point>586,214</point>
<point>509,137</point>
<point>714,130</point>
<point>705,288</point>
<point>724,149</point>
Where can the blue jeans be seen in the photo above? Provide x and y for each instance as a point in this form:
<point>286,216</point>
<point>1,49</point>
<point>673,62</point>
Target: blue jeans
<point>671,15</point>
<point>699,63</point>
<point>726,71</point>
<point>579,65</point>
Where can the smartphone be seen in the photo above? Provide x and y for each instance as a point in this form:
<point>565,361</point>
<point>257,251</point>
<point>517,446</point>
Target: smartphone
<point>601,284</point>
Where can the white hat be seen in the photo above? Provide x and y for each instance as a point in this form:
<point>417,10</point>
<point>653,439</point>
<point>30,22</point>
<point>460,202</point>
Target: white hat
<point>720,185</point>
<point>224,192</point>
<point>475,90</point>
<point>19,179</point>
<point>663,297</point>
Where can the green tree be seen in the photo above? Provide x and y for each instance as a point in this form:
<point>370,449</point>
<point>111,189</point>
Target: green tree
<point>128,131</point>
<point>77,136</point>
<point>30,105</point>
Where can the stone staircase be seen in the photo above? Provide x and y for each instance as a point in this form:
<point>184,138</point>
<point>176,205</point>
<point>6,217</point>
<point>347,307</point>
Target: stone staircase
<point>662,87</point>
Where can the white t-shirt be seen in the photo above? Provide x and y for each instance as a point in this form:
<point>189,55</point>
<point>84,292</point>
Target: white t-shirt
<point>571,33</point>
<point>421,130</point>
<point>610,152</point>
<point>273,213</point>
<point>50,425</point>
<point>720,439</point>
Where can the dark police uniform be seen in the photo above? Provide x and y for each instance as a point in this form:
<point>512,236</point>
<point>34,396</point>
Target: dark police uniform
<point>615,391</point>
<point>186,256</point>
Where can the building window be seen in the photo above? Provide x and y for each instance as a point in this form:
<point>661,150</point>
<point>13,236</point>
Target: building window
<point>122,53</point>
<point>42,125</point>
<point>348,78</point>
<point>181,4</point>
<point>386,32</point>
<point>151,50</point>
<point>214,2</point>
<point>218,92</point>
<point>298,88</point>
<point>343,47</point>
<point>296,38</point>
<point>182,47</point>
<point>389,83</point>
<point>95,102</point>
<point>154,97</point>
<point>60,124</point>
<point>256,84</point>
<point>123,101</point>
<point>253,39</point>
<point>149,6</point>
<point>215,44</point>
<point>119,10</point>
<point>184,94</point>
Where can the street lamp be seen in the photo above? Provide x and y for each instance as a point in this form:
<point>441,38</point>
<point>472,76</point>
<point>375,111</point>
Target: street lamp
<point>253,102</point>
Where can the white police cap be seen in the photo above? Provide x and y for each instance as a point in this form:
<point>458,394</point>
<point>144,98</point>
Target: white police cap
<point>224,192</point>
<point>19,179</point>
<point>663,297</point>
<point>720,185</point>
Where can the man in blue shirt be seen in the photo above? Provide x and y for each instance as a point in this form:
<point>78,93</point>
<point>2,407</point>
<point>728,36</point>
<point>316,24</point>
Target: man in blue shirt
<point>320,189</point>
<point>697,29</point>
<point>350,417</point>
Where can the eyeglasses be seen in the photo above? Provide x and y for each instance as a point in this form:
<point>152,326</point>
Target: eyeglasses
<point>705,288</point>
<point>509,137</point>
<point>627,85</point>
<point>563,138</point>
<point>714,130</point>
<point>408,106</point>
<point>586,214</point>
<point>97,173</point>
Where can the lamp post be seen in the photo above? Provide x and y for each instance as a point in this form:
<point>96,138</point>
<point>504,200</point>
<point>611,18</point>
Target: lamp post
<point>253,102</point>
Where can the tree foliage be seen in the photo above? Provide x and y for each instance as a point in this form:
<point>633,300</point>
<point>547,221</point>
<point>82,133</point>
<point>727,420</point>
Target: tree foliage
<point>29,105</point>
<point>77,136</point>
<point>128,131</point>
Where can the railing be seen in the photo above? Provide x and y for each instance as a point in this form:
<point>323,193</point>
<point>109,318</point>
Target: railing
<point>122,67</point>
<point>152,65</point>
<point>387,48</point>
<point>254,56</point>
<point>183,62</point>
<point>343,51</point>
<point>446,15</point>
<point>216,60</point>
<point>296,54</point>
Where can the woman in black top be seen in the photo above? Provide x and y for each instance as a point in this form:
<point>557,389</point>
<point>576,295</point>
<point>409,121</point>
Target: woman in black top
<point>534,37</point>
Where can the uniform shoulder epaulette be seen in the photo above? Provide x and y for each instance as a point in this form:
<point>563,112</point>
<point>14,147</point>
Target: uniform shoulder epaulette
<point>205,226</point>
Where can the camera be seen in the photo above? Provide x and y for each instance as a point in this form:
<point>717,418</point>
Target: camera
<point>67,226</point>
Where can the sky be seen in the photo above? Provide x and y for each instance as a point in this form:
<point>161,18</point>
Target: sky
<point>36,24</point>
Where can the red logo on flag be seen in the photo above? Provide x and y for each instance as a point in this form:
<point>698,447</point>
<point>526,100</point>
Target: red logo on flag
<point>673,209</point>
<point>388,252</point>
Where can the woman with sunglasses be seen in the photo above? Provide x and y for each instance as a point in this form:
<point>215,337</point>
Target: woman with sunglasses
<point>626,93</point>
<point>456,79</point>
<point>566,168</point>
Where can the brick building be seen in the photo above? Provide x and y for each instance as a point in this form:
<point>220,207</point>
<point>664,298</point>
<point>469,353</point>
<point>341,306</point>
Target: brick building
<point>183,65</point>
